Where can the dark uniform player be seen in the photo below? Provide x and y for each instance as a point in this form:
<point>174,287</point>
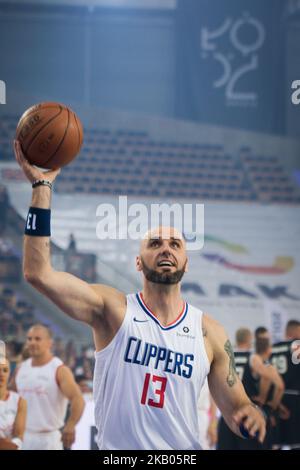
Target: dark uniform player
<point>252,368</point>
<point>285,357</point>
<point>226,438</point>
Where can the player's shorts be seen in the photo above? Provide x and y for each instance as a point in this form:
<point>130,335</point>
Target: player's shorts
<point>227,440</point>
<point>42,441</point>
<point>290,428</point>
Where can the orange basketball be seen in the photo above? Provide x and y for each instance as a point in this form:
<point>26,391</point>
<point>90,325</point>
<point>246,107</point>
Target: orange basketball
<point>50,135</point>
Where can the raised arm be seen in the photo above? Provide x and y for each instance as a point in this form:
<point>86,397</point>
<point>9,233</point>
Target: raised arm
<point>75,297</point>
<point>225,385</point>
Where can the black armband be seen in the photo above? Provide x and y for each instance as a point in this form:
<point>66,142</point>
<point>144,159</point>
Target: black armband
<point>38,222</point>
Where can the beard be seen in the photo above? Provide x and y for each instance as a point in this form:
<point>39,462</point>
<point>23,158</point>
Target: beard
<point>162,278</point>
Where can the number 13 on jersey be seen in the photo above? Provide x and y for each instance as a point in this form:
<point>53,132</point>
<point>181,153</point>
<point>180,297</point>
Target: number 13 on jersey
<point>159,391</point>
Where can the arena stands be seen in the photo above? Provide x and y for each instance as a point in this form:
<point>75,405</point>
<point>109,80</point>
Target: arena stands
<point>138,163</point>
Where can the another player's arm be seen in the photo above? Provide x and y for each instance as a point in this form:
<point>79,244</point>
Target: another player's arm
<point>279,389</point>
<point>225,385</point>
<point>72,295</point>
<point>70,390</point>
<point>18,428</point>
<point>264,388</point>
<point>267,372</point>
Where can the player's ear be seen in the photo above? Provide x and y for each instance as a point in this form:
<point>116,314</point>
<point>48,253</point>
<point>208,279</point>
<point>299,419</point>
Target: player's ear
<point>138,263</point>
<point>186,267</point>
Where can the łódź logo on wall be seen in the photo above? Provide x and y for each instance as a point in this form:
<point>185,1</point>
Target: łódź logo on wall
<point>295,97</point>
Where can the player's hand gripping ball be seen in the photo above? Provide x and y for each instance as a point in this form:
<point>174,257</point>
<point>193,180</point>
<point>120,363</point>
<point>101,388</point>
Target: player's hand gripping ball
<point>50,135</point>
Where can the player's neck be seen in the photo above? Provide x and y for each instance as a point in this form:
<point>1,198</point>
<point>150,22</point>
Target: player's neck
<point>41,360</point>
<point>3,393</point>
<point>264,357</point>
<point>164,301</point>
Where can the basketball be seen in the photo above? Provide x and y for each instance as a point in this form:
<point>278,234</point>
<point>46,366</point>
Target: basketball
<point>50,135</point>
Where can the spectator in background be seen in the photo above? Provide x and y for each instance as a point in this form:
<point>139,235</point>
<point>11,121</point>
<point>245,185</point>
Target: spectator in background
<point>86,386</point>
<point>72,245</point>
<point>85,363</point>
<point>23,314</point>
<point>12,412</point>
<point>70,355</point>
<point>59,349</point>
<point>4,203</point>
<point>47,385</point>
<point>14,353</point>
<point>9,298</point>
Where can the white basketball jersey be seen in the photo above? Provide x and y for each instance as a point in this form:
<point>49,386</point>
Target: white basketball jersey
<point>148,379</point>
<point>46,405</point>
<point>8,413</point>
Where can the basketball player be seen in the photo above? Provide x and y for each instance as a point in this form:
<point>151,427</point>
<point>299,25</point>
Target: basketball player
<point>153,350</point>
<point>262,332</point>
<point>12,413</point>
<point>252,369</point>
<point>286,359</point>
<point>47,385</point>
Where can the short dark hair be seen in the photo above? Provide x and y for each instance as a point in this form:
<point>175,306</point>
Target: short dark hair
<point>260,330</point>
<point>262,345</point>
<point>79,378</point>
<point>242,335</point>
<point>291,324</point>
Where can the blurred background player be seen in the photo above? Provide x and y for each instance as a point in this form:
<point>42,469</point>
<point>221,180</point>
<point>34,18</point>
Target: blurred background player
<point>47,385</point>
<point>270,388</point>
<point>12,413</point>
<point>285,359</point>
<point>252,366</point>
<point>262,332</point>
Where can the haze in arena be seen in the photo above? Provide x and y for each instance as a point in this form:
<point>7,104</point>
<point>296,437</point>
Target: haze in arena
<point>150,267</point>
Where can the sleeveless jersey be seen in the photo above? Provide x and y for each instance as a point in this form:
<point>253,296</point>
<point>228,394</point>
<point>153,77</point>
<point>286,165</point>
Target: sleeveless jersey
<point>8,413</point>
<point>282,359</point>
<point>147,381</point>
<point>243,367</point>
<point>46,405</point>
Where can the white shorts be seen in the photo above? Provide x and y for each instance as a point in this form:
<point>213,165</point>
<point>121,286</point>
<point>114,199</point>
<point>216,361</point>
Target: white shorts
<point>42,441</point>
